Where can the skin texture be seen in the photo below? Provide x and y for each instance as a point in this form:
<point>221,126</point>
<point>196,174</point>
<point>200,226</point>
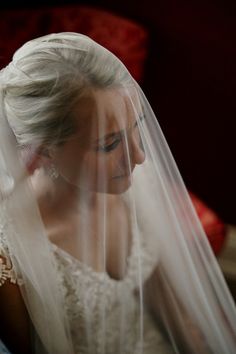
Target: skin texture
<point>105,118</point>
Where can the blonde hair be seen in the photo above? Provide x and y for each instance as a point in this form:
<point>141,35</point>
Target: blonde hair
<point>46,77</point>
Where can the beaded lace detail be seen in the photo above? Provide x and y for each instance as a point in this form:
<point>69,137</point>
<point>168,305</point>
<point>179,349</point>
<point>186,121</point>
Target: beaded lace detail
<point>7,271</point>
<point>6,267</point>
<point>103,313</point>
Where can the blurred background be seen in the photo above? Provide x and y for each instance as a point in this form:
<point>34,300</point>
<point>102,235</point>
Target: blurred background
<point>183,54</point>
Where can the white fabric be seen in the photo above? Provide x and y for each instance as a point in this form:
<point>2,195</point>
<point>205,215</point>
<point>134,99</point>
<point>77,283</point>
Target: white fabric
<point>101,295</point>
<point>84,288</point>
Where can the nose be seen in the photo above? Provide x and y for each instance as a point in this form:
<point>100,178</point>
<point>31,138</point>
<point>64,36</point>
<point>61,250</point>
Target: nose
<point>137,151</point>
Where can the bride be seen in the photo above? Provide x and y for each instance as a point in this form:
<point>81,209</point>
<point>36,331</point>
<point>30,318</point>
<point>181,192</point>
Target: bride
<point>100,247</point>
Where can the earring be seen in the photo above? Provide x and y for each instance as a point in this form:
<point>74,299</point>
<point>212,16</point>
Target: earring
<point>52,171</point>
<point>7,183</point>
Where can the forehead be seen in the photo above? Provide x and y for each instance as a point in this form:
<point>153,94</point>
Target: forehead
<point>106,111</point>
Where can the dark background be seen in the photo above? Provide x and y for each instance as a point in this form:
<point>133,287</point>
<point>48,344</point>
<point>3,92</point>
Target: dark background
<point>190,81</point>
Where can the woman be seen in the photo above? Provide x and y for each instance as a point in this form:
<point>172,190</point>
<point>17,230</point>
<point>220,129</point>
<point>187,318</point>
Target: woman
<point>101,250</point>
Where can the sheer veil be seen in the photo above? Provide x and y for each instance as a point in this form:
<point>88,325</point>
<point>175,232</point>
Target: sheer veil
<point>137,227</point>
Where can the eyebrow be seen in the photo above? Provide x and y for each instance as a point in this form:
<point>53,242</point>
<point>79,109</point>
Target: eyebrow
<point>112,135</point>
<point>107,136</point>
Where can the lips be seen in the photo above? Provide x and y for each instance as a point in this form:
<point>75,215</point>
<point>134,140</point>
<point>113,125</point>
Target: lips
<point>125,175</point>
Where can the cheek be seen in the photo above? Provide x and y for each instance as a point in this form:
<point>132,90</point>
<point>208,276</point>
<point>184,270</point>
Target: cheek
<point>118,160</point>
<point>104,165</point>
<point>68,160</point>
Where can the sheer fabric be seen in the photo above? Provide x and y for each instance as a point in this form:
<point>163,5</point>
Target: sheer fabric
<point>106,242</point>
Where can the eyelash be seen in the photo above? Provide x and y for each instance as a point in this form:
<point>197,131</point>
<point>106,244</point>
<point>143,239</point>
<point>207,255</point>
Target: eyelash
<point>110,147</point>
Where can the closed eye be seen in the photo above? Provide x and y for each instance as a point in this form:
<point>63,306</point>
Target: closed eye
<point>109,147</point>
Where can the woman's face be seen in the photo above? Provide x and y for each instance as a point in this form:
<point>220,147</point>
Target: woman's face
<point>103,152</point>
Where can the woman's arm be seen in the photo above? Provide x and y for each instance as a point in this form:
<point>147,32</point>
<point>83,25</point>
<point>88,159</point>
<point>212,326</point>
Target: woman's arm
<point>14,319</point>
<point>170,312</point>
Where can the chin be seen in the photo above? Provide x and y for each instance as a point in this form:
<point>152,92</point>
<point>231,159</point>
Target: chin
<point>115,186</point>
<point>119,186</point>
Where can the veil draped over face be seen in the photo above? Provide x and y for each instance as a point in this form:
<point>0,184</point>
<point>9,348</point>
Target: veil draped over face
<point>105,242</point>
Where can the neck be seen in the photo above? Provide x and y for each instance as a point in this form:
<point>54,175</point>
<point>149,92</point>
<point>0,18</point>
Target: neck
<point>59,195</point>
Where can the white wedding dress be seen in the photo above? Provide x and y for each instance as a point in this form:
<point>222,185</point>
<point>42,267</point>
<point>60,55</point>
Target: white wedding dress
<point>94,307</point>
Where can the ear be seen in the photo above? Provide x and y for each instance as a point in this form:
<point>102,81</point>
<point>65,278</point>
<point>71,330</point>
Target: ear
<point>36,159</point>
<point>33,164</point>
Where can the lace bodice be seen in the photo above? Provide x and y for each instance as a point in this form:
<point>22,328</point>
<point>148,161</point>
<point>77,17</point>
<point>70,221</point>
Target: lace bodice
<point>6,267</point>
<point>102,310</point>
